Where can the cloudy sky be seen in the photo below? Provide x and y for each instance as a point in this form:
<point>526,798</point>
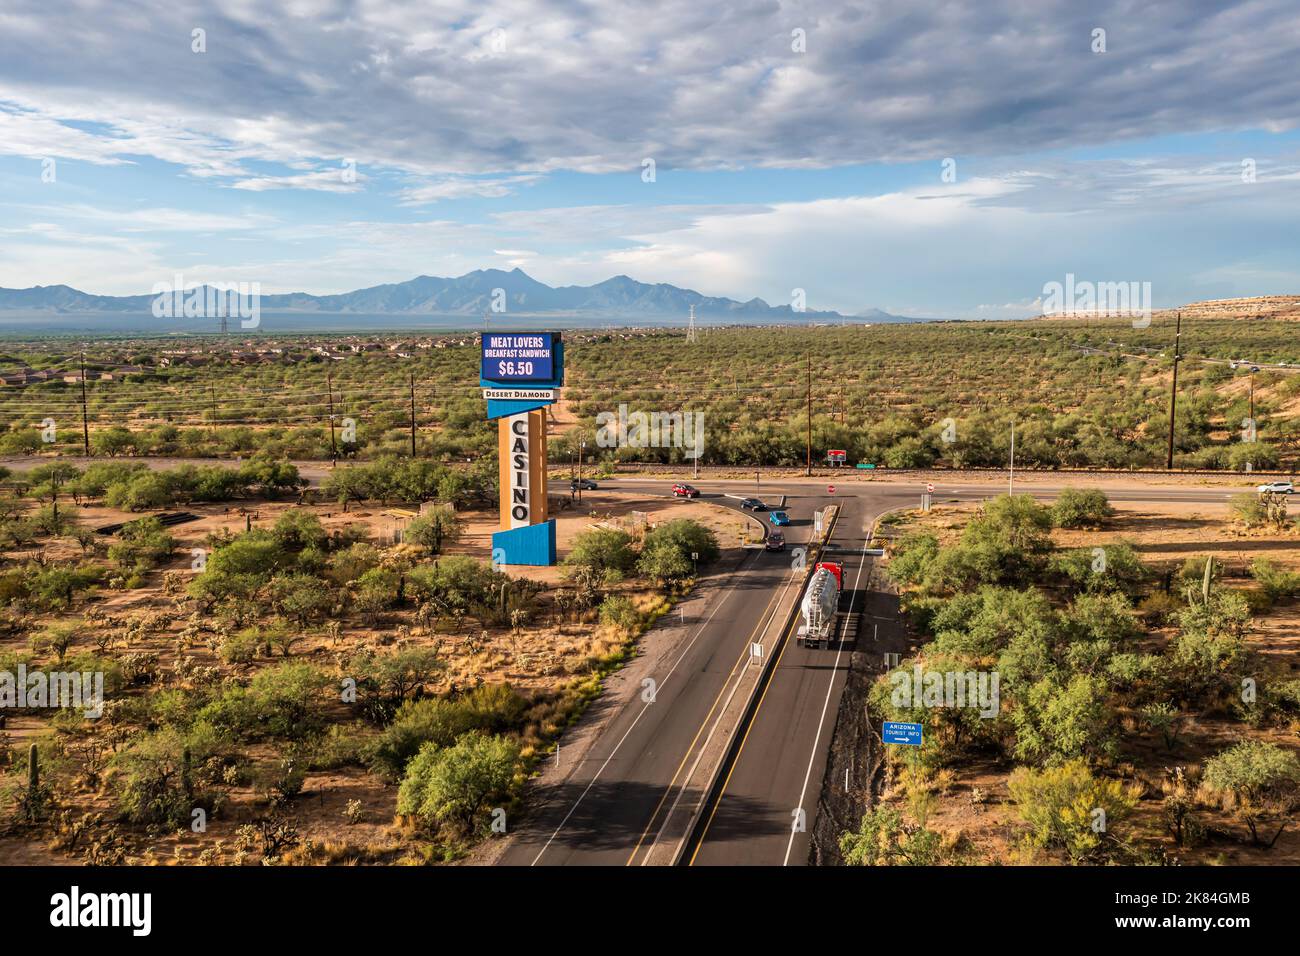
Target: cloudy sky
<point>927,158</point>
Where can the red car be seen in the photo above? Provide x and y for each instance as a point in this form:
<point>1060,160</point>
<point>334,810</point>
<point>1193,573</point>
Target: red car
<point>685,491</point>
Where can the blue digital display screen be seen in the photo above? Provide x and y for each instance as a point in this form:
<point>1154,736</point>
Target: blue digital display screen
<point>518,356</point>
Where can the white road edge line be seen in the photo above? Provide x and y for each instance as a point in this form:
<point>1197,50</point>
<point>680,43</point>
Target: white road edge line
<point>629,730</point>
<point>812,758</point>
<point>740,679</point>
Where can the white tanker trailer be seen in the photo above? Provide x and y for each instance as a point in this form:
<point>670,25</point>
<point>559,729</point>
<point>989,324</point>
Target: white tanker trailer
<point>820,603</point>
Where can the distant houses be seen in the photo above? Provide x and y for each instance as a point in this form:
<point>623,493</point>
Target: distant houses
<point>28,376</point>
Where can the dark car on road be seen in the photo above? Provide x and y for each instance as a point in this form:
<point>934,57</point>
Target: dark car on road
<point>775,541</point>
<point>685,491</point>
<point>583,484</point>
<point>752,504</point>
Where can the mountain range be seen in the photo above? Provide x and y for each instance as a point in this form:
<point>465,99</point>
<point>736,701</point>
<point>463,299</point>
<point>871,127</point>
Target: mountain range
<point>471,295</point>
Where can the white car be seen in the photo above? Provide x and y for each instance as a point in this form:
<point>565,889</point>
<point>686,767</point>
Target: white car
<point>1277,488</point>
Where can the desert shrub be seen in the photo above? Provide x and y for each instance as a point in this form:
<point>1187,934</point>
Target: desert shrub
<point>297,529</point>
<point>301,597</point>
<point>1100,617</point>
<point>157,778</point>
<point>283,701</point>
<point>491,708</point>
<point>1081,508</point>
<point>1113,567</point>
<point>666,551</point>
<point>1276,582</point>
<point>1063,806</point>
<point>388,680</point>
<point>376,591</point>
<point>1057,720</point>
<point>452,785</point>
<point>351,563</point>
<point>1249,509</point>
<point>1259,782</point>
<point>882,839</point>
<point>619,614</point>
<point>255,553</point>
<point>142,544</point>
<point>1210,644</point>
<point>606,551</point>
<point>913,557</point>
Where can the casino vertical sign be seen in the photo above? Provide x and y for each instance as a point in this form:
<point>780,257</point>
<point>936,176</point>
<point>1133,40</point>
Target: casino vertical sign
<point>522,449</point>
<point>521,373</point>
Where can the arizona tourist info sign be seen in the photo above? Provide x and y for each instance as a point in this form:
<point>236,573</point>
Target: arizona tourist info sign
<point>521,373</point>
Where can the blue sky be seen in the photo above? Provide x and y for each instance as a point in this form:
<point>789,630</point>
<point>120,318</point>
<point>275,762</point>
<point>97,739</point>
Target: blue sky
<point>796,146</point>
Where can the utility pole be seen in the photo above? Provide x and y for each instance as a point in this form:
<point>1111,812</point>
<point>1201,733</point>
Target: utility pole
<point>212,395</point>
<point>581,446</point>
<point>412,414</point>
<point>1011,476</point>
<point>334,449</point>
<point>85,426</point>
<point>808,470</point>
<point>1173,389</point>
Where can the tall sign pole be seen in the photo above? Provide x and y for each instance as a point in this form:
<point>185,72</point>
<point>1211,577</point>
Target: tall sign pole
<point>808,470</point>
<point>86,420</point>
<point>412,414</point>
<point>1011,475</point>
<point>1173,389</point>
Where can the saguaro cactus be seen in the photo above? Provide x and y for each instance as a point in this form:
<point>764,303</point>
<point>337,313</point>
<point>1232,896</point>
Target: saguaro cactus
<point>33,801</point>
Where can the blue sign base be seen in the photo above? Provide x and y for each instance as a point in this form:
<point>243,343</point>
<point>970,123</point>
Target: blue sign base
<point>533,544</point>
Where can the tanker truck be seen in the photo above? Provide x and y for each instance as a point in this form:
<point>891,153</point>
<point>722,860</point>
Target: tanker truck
<point>820,602</point>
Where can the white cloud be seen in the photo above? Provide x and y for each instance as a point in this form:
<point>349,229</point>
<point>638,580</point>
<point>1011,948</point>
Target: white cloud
<point>596,87</point>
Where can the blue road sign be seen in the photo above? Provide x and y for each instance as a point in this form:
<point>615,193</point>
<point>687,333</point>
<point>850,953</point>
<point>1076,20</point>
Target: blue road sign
<point>894,732</point>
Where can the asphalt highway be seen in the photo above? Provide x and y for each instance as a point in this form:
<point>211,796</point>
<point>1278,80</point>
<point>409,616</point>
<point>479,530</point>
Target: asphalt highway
<point>611,808</point>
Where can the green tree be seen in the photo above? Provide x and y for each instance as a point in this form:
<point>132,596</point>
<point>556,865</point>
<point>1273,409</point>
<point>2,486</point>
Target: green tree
<point>1058,720</point>
<point>297,530</point>
<point>302,598</point>
<point>434,530</point>
<point>142,544</point>
<point>607,551</point>
<point>452,785</point>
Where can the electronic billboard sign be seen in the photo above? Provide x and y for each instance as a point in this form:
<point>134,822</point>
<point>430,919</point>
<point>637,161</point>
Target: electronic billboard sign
<point>510,357</point>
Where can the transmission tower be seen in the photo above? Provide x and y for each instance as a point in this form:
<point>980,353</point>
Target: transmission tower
<point>690,329</point>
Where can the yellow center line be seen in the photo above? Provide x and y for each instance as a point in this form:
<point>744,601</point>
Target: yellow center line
<point>785,643</point>
<point>763,618</point>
